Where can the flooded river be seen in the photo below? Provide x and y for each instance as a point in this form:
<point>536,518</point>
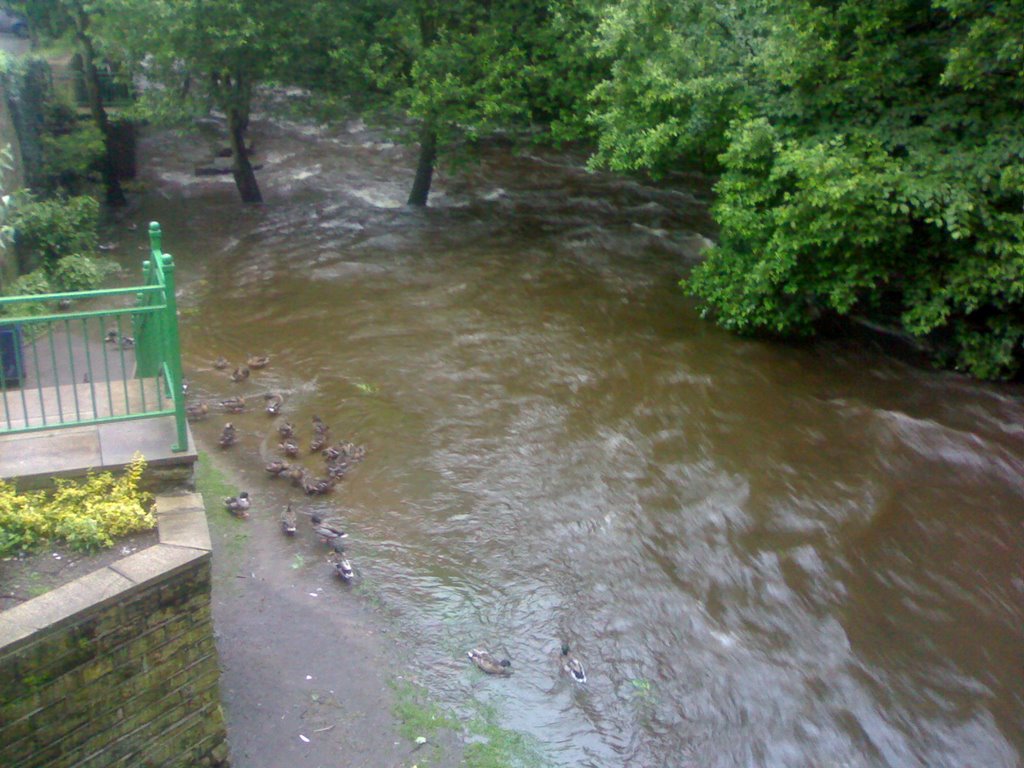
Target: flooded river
<point>766,555</point>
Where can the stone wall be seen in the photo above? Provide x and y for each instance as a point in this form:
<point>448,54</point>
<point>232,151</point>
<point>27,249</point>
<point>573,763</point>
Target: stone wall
<point>119,667</point>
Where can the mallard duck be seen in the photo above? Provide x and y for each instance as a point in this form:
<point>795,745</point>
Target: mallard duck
<point>127,342</point>
<point>274,402</point>
<point>286,430</point>
<point>221,363</point>
<point>238,505</point>
<point>329,530</point>
<point>289,447</point>
<point>233,404</point>
<point>227,436</point>
<point>257,361</point>
<point>297,475</point>
<point>489,663</point>
<point>318,425</point>
<point>337,469</point>
<point>572,666</point>
<point>317,485</point>
<point>112,336</point>
<point>240,374</point>
<point>277,467</point>
<point>196,411</point>
<point>288,521</point>
<point>342,567</point>
<point>317,443</point>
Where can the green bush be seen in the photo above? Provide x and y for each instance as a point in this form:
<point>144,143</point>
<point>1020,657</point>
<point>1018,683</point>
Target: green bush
<point>51,229</point>
<point>81,273</point>
<point>85,514</point>
<point>71,159</point>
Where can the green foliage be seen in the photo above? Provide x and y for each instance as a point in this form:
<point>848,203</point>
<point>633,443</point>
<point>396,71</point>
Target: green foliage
<point>78,272</point>
<point>87,515</point>
<point>52,229</point>
<point>70,159</point>
<point>870,158</point>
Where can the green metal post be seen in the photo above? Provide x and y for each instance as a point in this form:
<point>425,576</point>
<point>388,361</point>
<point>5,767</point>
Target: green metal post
<point>172,352</point>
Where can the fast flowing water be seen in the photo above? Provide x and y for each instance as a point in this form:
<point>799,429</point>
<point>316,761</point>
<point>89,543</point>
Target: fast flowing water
<point>766,554</point>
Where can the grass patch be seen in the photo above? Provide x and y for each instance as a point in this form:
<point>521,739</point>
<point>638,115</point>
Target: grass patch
<point>213,484</point>
<point>487,743</point>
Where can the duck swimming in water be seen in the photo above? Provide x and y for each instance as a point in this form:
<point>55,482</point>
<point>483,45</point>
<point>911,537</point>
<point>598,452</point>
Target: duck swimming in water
<point>227,436</point>
<point>329,529</point>
<point>221,363</point>
<point>240,374</point>
<point>233,404</point>
<point>342,567</point>
<point>289,447</point>
<point>572,666</point>
<point>286,430</point>
<point>277,468</point>
<point>274,402</point>
<point>257,361</point>
<point>196,411</point>
<point>489,663</point>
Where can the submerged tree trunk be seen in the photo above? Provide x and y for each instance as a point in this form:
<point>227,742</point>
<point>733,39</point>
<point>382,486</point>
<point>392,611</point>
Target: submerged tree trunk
<point>241,168</point>
<point>424,168</point>
<point>111,183</point>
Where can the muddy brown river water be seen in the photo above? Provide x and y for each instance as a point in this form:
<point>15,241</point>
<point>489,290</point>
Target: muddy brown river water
<point>767,555</point>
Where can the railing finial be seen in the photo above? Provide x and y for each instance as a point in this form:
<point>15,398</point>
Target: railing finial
<point>155,236</point>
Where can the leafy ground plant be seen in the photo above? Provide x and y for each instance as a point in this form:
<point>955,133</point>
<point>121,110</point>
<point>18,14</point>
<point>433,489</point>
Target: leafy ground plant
<point>85,514</point>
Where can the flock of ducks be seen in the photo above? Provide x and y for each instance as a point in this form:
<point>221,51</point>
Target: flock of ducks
<point>338,458</point>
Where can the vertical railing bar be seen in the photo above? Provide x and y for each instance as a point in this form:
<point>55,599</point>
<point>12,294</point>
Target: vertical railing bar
<point>88,367</point>
<point>102,320</point>
<point>71,366</point>
<point>24,374</point>
<point>39,385</point>
<point>3,385</point>
<point>124,375</point>
<point>56,379</point>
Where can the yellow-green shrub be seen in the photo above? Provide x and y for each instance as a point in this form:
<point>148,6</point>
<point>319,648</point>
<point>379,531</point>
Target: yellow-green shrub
<point>86,514</point>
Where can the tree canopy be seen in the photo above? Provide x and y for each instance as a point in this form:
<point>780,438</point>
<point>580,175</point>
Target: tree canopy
<point>869,156</point>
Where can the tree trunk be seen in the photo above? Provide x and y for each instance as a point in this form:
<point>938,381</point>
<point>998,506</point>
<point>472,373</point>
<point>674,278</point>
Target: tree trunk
<point>241,168</point>
<point>111,183</point>
<point>424,168</point>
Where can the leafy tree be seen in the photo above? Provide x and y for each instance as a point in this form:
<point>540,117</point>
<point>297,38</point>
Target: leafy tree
<point>458,70</point>
<point>870,157</point>
<point>75,18</point>
<point>198,54</point>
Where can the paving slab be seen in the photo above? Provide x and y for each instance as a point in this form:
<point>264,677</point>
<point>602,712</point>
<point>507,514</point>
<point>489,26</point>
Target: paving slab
<point>63,602</point>
<point>185,529</point>
<point>156,562</point>
<point>53,452</point>
<point>153,438</point>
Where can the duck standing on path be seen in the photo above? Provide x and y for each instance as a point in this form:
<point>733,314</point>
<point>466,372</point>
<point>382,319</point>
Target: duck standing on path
<point>238,505</point>
<point>277,468</point>
<point>288,521</point>
<point>572,666</point>
<point>489,663</point>
<point>227,436</point>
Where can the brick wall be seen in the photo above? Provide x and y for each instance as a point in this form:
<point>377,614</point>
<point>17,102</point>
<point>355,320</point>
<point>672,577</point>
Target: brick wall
<point>119,667</point>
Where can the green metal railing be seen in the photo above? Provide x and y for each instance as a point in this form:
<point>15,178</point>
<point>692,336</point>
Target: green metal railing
<point>97,365</point>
